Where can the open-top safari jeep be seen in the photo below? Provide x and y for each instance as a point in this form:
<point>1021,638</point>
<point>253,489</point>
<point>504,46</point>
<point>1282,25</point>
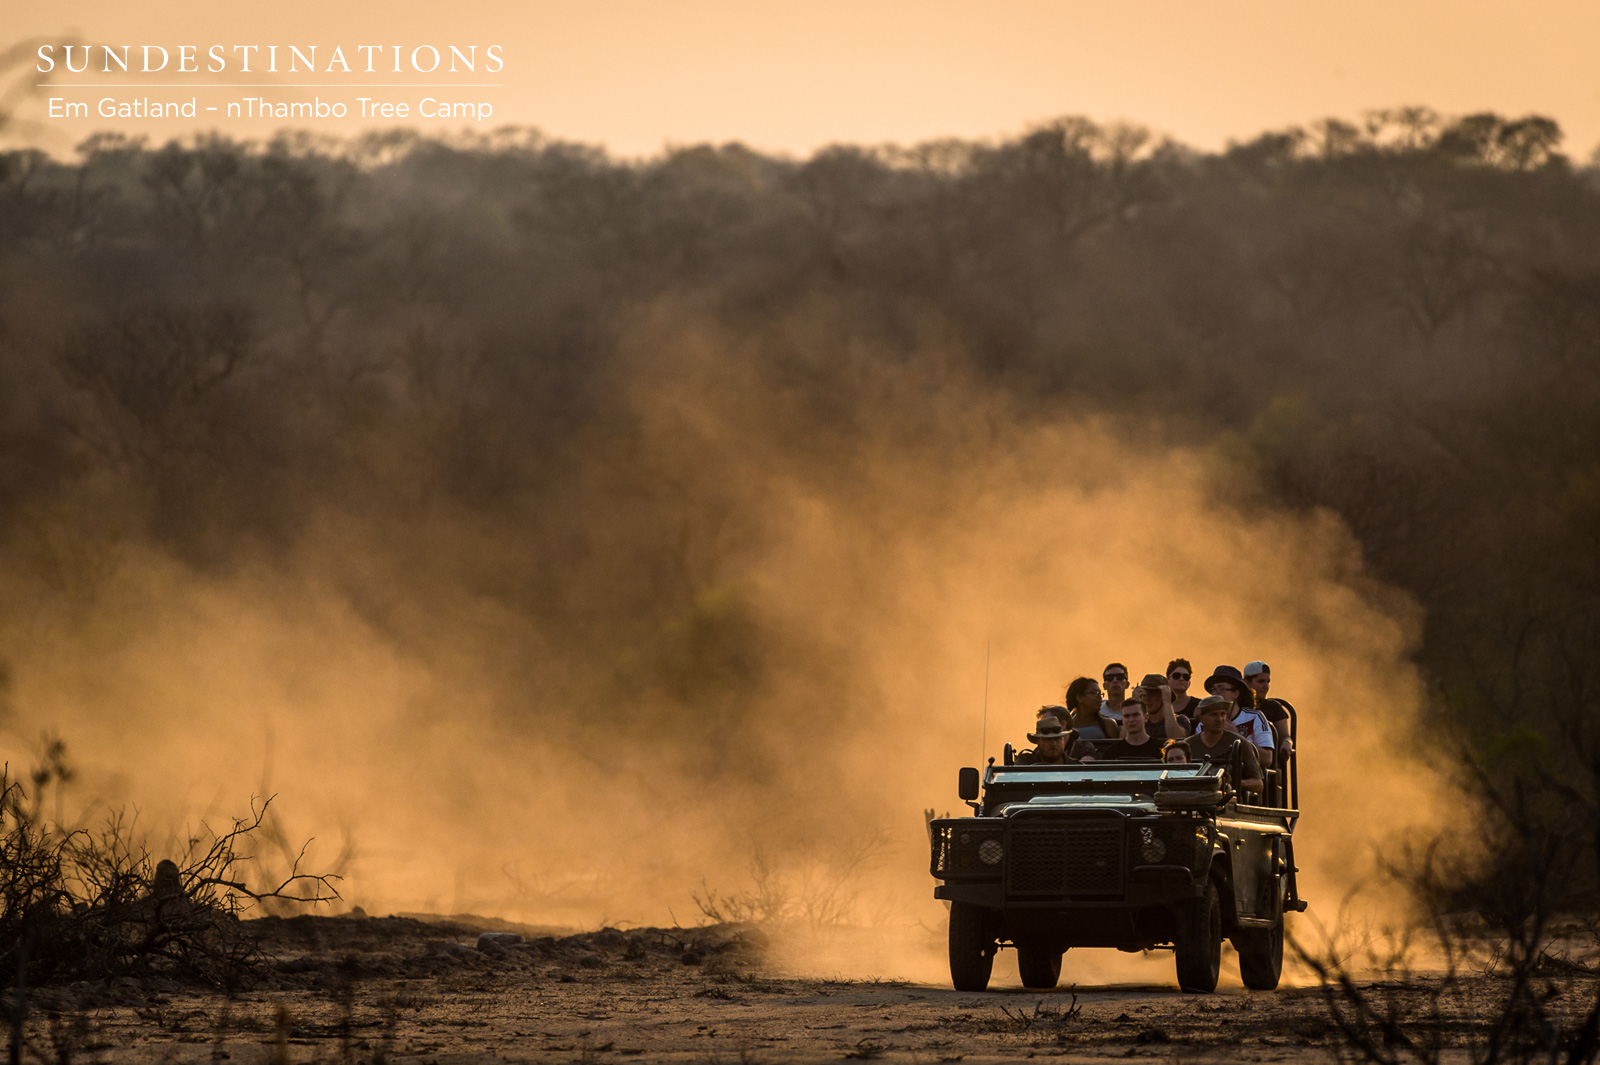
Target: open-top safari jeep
<point>1132,855</point>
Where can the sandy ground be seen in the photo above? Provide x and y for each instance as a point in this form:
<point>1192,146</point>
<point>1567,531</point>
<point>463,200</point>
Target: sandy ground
<point>342,989</point>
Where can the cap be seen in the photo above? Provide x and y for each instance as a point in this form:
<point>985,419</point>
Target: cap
<point>1256,667</point>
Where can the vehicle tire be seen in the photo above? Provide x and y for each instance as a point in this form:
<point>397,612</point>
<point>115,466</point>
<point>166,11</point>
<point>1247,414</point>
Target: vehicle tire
<point>1040,968</point>
<point>1199,943</point>
<point>972,946</point>
<point>1261,949</point>
<point>1260,956</point>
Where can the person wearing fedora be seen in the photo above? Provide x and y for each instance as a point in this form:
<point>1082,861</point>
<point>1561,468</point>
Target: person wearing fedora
<point>1259,676</point>
<point>1161,719</point>
<point>1215,744</point>
<point>1226,682</point>
<point>1052,744</point>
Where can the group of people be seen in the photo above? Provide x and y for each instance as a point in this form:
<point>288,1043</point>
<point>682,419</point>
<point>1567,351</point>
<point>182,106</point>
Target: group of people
<point>1160,721</point>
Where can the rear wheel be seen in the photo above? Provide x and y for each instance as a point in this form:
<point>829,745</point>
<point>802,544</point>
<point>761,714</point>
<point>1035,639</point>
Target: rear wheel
<point>972,946</point>
<point>1261,949</point>
<point>1040,968</point>
<point>1260,956</point>
<point>1199,943</point>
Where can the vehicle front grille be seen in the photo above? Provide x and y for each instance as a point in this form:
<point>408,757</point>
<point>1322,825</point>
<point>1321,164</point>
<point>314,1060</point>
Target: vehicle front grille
<point>1082,858</point>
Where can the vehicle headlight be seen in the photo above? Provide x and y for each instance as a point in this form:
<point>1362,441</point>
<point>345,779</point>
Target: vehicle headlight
<point>1151,848</point>
<point>990,851</point>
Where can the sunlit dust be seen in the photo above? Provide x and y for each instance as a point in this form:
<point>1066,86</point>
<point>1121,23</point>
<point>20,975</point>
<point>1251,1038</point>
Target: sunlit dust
<point>775,746</point>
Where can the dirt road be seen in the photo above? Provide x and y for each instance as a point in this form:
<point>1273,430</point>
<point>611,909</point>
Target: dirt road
<point>400,989</point>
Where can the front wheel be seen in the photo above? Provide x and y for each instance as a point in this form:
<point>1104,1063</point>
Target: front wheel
<point>1040,968</point>
<point>1199,943</point>
<point>972,946</point>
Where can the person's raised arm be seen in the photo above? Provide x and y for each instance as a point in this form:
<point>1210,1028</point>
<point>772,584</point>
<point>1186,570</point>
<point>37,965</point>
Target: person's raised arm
<point>1169,720</point>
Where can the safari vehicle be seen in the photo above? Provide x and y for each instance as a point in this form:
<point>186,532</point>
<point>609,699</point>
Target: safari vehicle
<point>1131,855</point>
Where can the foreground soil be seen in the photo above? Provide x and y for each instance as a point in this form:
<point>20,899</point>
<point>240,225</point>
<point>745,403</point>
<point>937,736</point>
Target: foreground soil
<point>350,989</point>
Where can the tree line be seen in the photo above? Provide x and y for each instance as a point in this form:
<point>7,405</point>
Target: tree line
<point>1396,319</point>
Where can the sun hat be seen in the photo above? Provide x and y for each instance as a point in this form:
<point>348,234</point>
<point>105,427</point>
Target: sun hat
<point>1230,674</point>
<point>1049,729</point>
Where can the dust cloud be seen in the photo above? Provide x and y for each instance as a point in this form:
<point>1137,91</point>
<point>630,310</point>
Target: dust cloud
<point>769,748</point>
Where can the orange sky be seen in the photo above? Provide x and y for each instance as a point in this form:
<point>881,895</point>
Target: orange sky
<point>636,75</point>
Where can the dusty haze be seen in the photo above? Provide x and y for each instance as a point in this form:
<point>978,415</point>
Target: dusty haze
<point>454,750</point>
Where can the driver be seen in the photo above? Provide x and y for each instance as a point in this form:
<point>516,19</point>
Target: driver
<point>1052,744</point>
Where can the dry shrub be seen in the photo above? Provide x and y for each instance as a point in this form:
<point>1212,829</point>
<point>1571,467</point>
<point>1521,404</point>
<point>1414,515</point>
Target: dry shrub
<point>93,905</point>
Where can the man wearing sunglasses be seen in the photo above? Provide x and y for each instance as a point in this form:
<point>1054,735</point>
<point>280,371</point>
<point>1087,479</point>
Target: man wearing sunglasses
<point>1115,678</point>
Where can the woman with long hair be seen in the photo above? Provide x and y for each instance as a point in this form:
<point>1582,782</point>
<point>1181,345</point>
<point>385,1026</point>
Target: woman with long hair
<point>1083,706</point>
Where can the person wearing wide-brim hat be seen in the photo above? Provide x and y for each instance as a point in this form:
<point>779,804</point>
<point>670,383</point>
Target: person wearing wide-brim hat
<point>1162,721</point>
<point>1229,675</point>
<point>1215,743</point>
<point>1226,682</point>
<point>1052,743</point>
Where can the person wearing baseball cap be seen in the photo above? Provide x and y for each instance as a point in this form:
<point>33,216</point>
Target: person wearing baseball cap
<point>1258,675</point>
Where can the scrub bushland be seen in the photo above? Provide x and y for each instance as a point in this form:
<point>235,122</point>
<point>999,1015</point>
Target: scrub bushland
<point>93,904</point>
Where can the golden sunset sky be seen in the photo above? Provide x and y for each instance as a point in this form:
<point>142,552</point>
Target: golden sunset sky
<point>636,75</point>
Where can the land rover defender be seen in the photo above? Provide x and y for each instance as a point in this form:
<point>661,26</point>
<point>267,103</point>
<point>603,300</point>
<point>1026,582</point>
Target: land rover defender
<point>1131,855</point>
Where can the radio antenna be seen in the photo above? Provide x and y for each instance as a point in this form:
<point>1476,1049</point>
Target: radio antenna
<point>985,741</point>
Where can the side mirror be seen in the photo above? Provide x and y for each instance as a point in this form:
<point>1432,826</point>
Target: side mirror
<point>968,786</point>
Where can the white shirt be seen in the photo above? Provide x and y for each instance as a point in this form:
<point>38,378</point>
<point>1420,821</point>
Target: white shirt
<point>1252,726</point>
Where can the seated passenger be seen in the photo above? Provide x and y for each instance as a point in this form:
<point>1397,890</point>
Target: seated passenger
<point>1115,679</point>
<point>1259,676</point>
<point>1176,752</point>
<point>1083,711</point>
<point>1228,683</point>
<point>1136,743</point>
<point>1179,673</point>
<point>1160,716</point>
<point>1215,744</point>
<point>1052,744</point>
